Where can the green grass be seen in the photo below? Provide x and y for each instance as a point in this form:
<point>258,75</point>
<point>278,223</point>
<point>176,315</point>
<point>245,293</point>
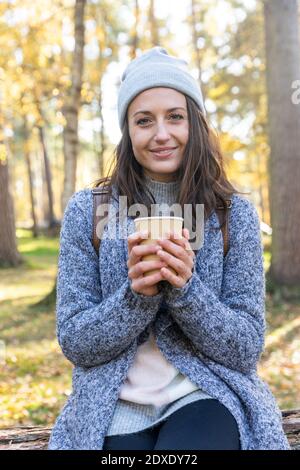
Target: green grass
<point>280,362</point>
<point>35,378</point>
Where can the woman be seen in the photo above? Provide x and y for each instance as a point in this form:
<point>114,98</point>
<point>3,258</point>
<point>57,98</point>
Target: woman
<point>164,361</point>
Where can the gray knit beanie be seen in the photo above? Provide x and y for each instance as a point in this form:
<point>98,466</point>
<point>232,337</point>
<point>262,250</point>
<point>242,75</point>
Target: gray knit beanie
<point>156,68</point>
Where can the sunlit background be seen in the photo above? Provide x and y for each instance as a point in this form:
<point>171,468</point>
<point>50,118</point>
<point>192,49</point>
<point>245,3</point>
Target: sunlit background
<point>224,45</point>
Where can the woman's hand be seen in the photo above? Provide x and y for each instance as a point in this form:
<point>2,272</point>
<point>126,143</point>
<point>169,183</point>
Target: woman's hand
<point>177,253</point>
<point>141,284</point>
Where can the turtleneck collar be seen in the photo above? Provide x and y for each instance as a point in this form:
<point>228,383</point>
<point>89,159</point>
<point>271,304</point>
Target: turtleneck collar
<point>163,192</point>
<point>172,186</point>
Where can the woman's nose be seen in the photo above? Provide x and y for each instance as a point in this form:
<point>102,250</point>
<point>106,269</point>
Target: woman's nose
<point>162,132</point>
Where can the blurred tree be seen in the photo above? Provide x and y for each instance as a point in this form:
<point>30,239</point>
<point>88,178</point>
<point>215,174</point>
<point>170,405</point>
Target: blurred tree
<point>283,68</point>
<point>33,77</point>
<point>102,144</point>
<point>246,101</point>
<point>196,49</point>
<point>71,109</point>
<point>105,25</point>
<point>153,30</point>
<point>134,34</point>
<point>233,83</point>
<point>108,27</point>
<point>72,105</point>
<point>9,255</point>
<point>48,177</point>
<point>30,176</point>
<point>153,26</point>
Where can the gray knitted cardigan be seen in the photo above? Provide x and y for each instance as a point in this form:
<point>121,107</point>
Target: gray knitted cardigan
<point>211,330</point>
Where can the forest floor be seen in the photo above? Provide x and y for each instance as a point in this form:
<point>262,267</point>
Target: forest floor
<point>35,378</point>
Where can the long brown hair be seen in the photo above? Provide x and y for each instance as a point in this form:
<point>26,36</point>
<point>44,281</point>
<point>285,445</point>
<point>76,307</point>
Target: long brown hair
<point>202,175</point>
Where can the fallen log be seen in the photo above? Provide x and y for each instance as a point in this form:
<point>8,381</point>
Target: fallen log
<point>37,437</point>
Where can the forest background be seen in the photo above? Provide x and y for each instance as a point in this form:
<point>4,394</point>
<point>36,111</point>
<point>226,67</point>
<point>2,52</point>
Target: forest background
<point>60,68</point>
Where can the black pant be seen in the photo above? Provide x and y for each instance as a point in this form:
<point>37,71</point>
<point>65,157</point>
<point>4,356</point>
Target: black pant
<point>201,425</point>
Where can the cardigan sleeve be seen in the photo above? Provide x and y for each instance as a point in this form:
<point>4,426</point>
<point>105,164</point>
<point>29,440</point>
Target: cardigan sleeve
<point>92,330</point>
<point>229,329</point>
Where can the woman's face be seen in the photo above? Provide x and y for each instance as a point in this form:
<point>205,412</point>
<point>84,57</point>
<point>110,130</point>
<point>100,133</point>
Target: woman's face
<point>158,119</point>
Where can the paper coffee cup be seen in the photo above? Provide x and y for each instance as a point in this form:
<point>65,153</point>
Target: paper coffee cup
<point>157,227</point>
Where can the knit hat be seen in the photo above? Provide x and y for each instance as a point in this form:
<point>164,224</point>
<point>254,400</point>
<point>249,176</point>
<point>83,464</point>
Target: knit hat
<point>156,68</point>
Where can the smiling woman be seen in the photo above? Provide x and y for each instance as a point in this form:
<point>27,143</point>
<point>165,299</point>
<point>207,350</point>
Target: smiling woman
<point>159,134</point>
<point>164,361</point>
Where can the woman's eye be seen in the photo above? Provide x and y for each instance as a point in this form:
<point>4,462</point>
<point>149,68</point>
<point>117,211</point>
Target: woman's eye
<point>177,115</point>
<point>143,121</point>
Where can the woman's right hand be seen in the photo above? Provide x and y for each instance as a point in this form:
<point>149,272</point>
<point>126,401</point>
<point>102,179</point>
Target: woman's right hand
<point>146,285</point>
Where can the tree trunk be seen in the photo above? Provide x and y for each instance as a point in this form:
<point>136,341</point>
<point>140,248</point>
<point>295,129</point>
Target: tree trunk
<point>135,39</point>
<point>71,111</point>
<point>30,176</point>
<point>71,107</point>
<point>153,24</point>
<point>102,145</point>
<point>9,255</point>
<point>195,41</point>
<point>37,437</point>
<point>261,201</point>
<point>48,177</point>
<point>30,182</point>
<point>283,68</point>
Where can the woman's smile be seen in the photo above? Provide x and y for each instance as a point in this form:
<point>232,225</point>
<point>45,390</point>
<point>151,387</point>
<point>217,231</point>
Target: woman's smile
<point>163,154</point>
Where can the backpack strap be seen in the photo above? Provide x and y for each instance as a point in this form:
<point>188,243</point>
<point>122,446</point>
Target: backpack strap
<point>100,196</point>
<point>225,229</point>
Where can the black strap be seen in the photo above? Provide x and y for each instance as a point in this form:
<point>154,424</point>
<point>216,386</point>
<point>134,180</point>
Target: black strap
<point>225,227</point>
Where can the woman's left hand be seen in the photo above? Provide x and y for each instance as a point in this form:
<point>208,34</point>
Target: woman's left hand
<point>177,253</point>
